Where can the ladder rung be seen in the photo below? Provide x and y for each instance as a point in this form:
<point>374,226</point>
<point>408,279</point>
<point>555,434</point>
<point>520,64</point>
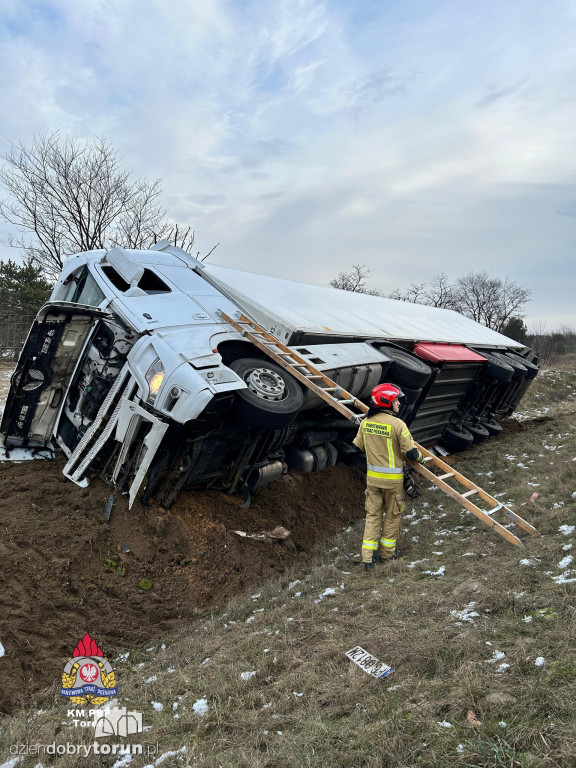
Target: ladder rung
<point>428,458</point>
<point>315,376</point>
<point>329,389</point>
<point>448,474</point>
<point>470,493</point>
<point>345,402</point>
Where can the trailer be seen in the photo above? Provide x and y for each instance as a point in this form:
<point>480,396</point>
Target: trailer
<point>133,373</point>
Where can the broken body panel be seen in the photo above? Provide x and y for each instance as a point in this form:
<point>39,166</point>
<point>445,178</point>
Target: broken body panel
<point>131,372</point>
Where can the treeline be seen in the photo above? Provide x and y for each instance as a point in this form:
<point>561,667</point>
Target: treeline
<point>550,344</point>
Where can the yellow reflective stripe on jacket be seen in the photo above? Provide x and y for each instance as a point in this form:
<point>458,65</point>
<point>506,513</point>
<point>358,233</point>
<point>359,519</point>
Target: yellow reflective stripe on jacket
<point>369,544</point>
<point>390,543</point>
<point>406,433</point>
<point>386,475</point>
<point>391,461</point>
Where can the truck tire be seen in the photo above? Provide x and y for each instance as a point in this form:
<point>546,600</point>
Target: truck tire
<point>410,395</point>
<point>272,399</point>
<point>457,437</point>
<point>519,370</point>
<point>478,432</point>
<point>532,370</point>
<point>406,369</point>
<point>497,369</point>
<point>492,426</point>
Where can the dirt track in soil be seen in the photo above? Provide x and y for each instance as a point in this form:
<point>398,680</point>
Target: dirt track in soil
<point>64,570</point>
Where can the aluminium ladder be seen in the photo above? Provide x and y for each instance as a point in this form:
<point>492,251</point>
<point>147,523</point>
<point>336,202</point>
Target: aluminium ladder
<point>355,410</point>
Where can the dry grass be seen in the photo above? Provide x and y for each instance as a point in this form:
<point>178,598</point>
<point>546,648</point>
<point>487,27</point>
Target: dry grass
<point>306,705</point>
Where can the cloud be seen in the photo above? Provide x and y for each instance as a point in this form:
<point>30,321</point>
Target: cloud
<point>307,136</point>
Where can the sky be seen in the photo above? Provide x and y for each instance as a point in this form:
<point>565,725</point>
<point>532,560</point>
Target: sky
<point>412,137</point>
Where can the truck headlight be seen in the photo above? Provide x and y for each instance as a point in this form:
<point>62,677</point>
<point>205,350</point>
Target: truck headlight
<point>154,379</point>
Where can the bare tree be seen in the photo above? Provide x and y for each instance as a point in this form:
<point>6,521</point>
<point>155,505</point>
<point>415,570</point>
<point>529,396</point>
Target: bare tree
<point>67,196</point>
<point>355,280</point>
<point>438,293</point>
<point>488,299</point>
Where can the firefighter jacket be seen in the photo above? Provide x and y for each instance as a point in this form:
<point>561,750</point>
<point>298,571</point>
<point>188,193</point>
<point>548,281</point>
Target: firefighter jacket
<point>386,439</point>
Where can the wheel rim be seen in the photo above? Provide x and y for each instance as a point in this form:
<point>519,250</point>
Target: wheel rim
<point>266,384</point>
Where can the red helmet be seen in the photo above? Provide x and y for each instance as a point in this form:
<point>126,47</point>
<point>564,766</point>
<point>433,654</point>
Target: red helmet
<point>384,395</point>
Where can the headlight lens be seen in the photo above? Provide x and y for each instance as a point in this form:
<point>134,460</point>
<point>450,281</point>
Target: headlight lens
<point>154,379</point>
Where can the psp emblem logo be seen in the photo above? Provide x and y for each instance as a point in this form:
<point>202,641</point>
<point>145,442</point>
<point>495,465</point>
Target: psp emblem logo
<point>88,677</point>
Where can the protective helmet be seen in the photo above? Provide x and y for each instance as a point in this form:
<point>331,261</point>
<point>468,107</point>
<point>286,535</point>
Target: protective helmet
<point>384,395</point>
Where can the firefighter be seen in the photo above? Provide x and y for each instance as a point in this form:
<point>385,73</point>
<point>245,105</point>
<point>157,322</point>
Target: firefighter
<point>386,439</point>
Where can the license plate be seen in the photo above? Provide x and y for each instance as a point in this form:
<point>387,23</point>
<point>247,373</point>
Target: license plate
<point>368,663</point>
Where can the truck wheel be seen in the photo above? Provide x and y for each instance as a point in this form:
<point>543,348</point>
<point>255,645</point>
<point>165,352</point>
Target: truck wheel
<point>496,369</point>
<point>406,369</point>
<point>493,427</point>
<point>272,399</point>
<point>457,438</point>
<point>532,370</point>
<point>478,432</point>
<point>519,369</point>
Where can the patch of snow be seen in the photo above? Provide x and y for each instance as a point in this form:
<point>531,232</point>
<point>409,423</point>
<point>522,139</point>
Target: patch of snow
<point>502,724</point>
<point>503,667</point>
<point>327,593</point>
<point>298,695</point>
<point>414,563</point>
<point>565,562</point>
<point>496,656</point>
<point>525,561</point>
<point>567,529</point>
<point>200,706</point>
<point>445,724</point>
<point>11,762</point>
<point>247,675</point>
<point>158,706</point>
<point>540,661</point>
<point>439,572</point>
<point>460,748</point>
<point>527,619</point>
<point>126,760</point>
<point>151,680</point>
<point>563,578</point>
<point>566,547</point>
<point>467,613</point>
<point>166,755</point>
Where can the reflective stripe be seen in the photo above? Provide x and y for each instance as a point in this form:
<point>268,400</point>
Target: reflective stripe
<point>385,470</point>
<point>385,475</point>
<point>406,433</point>
<point>391,460</point>
<point>388,542</point>
<point>369,544</point>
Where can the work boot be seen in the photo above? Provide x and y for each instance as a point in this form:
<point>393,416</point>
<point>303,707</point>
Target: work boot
<point>395,556</point>
<point>369,566</point>
<point>376,559</point>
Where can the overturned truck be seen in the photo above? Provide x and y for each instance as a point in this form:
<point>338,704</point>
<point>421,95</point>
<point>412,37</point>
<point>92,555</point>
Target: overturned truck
<point>131,371</point>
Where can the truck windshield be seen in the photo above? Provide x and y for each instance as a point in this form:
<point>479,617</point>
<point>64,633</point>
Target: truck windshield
<point>83,289</point>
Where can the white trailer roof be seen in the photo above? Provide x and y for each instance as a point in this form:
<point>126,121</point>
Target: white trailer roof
<point>286,306</point>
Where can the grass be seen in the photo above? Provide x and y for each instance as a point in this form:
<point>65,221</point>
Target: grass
<point>450,701</point>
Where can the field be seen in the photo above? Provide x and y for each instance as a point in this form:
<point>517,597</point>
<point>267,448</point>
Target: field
<point>480,634</point>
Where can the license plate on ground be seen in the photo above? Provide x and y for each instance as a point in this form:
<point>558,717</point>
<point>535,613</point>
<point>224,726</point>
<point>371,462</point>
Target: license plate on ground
<point>368,663</point>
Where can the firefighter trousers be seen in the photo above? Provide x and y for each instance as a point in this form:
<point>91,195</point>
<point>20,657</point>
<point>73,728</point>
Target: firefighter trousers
<point>384,507</point>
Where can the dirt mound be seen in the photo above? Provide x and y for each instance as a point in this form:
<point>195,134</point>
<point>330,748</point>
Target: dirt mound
<point>66,571</point>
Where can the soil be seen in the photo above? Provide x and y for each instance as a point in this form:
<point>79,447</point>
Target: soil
<point>65,571</point>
